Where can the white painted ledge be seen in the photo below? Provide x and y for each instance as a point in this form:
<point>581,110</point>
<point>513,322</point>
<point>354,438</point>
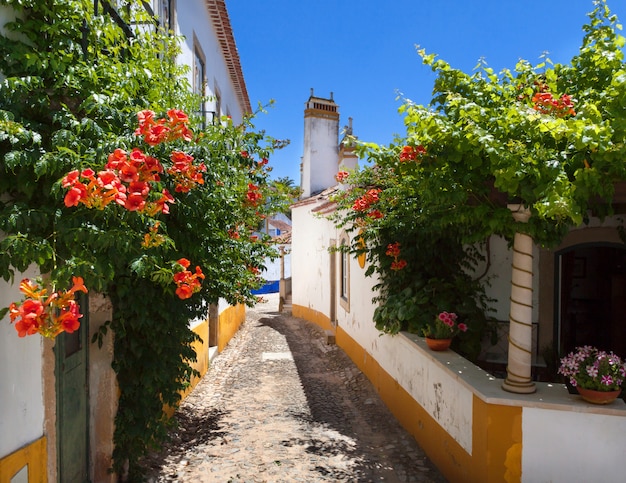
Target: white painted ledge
<point>489,388</point>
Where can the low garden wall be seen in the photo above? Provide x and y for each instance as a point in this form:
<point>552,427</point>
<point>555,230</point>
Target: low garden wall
<point>472,429</point>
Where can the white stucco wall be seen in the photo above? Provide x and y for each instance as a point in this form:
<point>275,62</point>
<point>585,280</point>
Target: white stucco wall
<point>192,18</point>
<point>271,273</point>
<point>563,447</point>
<point>21,387</point>
<point>310,259</point>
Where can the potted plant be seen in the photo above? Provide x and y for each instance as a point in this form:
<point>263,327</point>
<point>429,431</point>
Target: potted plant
<point>439,334</point>
<point>597,375</point>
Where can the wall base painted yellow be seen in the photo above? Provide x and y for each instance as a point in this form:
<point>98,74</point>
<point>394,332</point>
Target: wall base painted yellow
<point>312,315</point>
<point>229,322</point>
<point>33,456</point>
<point>497,429</point>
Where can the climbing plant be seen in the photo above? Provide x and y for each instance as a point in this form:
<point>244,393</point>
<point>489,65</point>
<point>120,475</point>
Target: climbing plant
<point>77,90</point>
<point>548,136</point>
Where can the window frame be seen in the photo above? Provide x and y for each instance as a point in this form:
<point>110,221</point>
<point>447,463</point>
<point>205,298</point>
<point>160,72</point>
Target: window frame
<point>344,272</point>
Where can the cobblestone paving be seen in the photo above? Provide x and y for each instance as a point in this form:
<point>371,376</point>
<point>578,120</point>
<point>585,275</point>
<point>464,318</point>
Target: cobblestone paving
<point>279,405</point>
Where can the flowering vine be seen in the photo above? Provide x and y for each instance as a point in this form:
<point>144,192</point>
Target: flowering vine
<point>546,103</point>
<point>48,315</point>
<point>412,153</point>
<point>342,176</point>
<point>393,250</point>
<point>129,178</point>
<point>187,283</point>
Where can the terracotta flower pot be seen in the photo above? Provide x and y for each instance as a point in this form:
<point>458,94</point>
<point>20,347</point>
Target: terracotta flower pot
<point>598,397</point>
<point>438,344</point>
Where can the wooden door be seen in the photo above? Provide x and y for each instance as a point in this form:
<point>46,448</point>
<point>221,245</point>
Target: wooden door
<point>72,402</point>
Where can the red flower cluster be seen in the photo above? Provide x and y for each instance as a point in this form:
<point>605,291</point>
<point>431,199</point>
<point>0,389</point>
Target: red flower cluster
<point>94,192</point>
<point>156,131</point>
<point>125,181</point>
<point>341,176</point>
<point>187,283</point>
<point>185,173</point>
<point>127,177</point>
<point>47,315</point>
<point>393,250</point>
<point>410,153</point>
<point>253,195</point>
<point>137,170</point>
<point>364,202</point>
<point>545,103</point>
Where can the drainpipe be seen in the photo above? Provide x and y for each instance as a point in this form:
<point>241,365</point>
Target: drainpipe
<point>518,379</point>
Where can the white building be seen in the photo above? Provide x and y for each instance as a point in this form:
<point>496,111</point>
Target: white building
<point>58,398</point>
<point>469,426</point>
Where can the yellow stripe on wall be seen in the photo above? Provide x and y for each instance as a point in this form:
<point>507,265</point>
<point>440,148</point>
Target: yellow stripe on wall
<point>229,322</point>
<point>33,456</point>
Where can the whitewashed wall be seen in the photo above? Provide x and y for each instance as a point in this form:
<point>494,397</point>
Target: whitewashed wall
<point>21,386</point>
<point>564,446</point>
<point>310,259</point>
<point>192,18</point>
<point>271,273</point>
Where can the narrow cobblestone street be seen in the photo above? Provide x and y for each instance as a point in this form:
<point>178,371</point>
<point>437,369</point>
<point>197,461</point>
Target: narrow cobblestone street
<point>280,405</point>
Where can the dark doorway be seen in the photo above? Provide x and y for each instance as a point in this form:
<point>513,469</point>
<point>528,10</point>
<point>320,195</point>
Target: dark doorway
<point>591,298</point>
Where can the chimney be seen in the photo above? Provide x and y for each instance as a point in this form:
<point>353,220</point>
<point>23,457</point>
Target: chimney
<point>321,145</point>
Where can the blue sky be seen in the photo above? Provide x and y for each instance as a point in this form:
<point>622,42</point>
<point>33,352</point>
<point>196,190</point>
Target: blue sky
<point>365,53</point>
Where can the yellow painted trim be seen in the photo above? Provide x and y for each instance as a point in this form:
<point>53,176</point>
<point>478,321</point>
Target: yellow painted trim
<point>33,455</point>
<point>497,441</point>
<point>312,315</point>
<point>362,257</point>
<point>201,347</point>
<point>229,322</point>
<point>497,429</point>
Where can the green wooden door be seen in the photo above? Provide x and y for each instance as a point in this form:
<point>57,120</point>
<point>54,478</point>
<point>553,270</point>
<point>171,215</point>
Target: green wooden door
<point>72,402</point>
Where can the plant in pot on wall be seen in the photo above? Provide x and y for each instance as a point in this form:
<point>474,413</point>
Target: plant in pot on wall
<point>597,375</point>
<point>439,335</point>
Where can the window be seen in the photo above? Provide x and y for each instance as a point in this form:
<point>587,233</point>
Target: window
<point>199,79</point>
<point>164,10</point>
<point>344,272</point>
